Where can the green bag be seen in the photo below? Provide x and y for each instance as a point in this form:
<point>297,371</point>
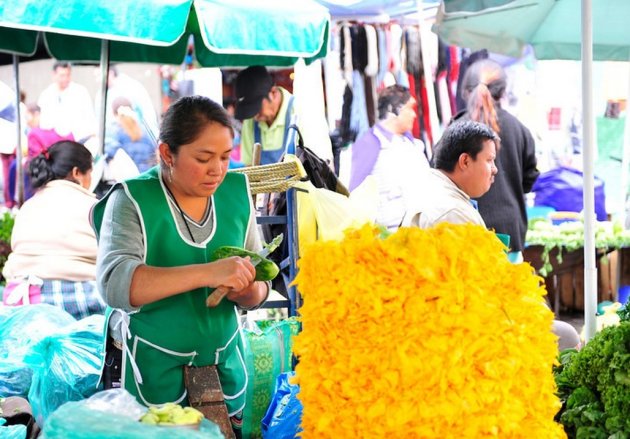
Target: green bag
<point>268,353</point>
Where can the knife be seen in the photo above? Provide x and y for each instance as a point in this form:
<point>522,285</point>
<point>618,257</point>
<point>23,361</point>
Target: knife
<point>220,292</point>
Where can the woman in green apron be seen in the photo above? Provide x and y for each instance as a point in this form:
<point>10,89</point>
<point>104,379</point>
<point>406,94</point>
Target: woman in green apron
<point>156,234</point>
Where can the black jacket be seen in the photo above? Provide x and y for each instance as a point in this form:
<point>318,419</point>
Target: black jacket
<point>503,206</point>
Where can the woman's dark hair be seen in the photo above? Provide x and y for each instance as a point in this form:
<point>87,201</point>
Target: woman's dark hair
<point>391,100</point>
<point>187,117</point>
<point>461,137</point>
<point>58,162</point>
<point>483,85</point>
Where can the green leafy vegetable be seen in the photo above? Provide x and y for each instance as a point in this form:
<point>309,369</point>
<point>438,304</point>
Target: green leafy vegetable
<point>569,236</point>
<point>594,385</point>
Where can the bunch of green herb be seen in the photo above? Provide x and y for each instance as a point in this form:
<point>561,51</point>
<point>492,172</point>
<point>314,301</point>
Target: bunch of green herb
<point>6,228</point>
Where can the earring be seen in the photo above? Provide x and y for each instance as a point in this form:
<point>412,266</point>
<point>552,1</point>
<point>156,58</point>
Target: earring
<point>170,174</point>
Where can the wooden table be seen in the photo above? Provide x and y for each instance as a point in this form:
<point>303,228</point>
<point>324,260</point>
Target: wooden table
<point>624,267</point>
<point>565,282</point>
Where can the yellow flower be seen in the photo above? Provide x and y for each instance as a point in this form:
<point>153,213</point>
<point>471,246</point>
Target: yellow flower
<point>423,334</point>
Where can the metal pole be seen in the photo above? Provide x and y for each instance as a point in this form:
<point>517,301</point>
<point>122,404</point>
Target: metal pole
<point>590,269</point>
<point>19,170</point>
<point>103,89</point>
<point>625,161</point>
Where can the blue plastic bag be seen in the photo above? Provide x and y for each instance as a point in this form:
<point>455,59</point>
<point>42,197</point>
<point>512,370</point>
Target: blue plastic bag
<point>284,416</point>
<point>13,432</point>
<point>562,188</point>
<point>21,327</point>
<point>66,366</point>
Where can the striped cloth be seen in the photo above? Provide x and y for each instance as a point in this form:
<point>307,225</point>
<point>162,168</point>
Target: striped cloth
<point>80,299</point>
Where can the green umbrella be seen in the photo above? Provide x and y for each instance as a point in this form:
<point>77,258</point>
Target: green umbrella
<point>557,29</point>
<point>225,32</point>
<point>552,27</point>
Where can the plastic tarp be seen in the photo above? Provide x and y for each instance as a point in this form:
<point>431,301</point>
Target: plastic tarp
<point>21,328</point>
<point>66,366</point>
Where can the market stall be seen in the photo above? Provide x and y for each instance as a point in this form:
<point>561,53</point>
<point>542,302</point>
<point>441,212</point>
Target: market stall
<point>556,252</point>
<point>158,32</point>
<point>567,29</point>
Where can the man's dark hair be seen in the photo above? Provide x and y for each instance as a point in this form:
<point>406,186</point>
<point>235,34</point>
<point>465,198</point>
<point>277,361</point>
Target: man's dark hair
<point>391,100</point>
<point>461,137</point>
<point>61,65</point>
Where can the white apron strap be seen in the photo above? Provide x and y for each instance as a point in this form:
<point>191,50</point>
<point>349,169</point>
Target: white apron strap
<point>126,335</point>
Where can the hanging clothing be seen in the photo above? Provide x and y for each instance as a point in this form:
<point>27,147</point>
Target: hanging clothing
<point>359,122</point>
<point>383,57</point>
<point>371,69</point>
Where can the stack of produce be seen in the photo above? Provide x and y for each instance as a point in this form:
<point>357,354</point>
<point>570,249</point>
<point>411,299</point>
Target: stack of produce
<point>569,236</point>
<point>171,414</point>
<point>424,333</point>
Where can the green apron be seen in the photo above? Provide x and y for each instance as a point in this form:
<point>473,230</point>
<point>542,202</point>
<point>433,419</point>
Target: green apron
<point>181,330</point>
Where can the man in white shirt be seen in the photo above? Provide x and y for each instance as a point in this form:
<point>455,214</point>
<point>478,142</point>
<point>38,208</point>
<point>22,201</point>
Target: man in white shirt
<point>8,138</point>
<point>464,161</point>
<point>67,106</point>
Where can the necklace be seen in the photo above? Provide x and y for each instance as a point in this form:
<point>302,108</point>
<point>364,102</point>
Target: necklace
<point>181,212</point>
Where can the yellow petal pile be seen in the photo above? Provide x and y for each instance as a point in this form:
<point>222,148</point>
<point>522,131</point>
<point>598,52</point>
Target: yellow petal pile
<point>424,334</point>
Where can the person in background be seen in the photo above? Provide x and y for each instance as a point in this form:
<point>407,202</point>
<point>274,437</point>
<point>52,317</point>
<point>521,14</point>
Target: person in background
<point>129,134</point>
<point>156,234</point>
<point>266,110</point>
<point>503,206</point>
<point>8,139</point>
<point>67,106</point>
<point>389,153</point>
<point>465,168</point>
<point>464,161</point>
<point>38,141</point>
<point>119,85</point>
<point>53,258</point>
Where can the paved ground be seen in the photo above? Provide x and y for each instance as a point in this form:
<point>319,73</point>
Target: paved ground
<point>575,318</point>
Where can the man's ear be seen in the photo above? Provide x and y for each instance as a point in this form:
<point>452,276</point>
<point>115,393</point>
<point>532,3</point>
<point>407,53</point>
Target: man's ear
<point>463,161</point>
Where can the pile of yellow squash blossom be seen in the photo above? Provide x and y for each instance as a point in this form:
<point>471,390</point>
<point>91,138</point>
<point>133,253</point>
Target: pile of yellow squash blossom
<point>423,334</point>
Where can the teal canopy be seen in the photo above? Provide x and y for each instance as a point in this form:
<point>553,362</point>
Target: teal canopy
<point>225,32</point>
<point>552,27</point>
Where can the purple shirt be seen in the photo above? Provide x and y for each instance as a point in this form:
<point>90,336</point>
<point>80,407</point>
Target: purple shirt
<point>39,140</point>
<point>365,152</point>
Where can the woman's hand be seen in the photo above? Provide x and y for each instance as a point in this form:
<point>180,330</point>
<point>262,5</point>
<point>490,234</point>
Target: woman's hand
<point>235,273</point>
<point>251,296</point>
